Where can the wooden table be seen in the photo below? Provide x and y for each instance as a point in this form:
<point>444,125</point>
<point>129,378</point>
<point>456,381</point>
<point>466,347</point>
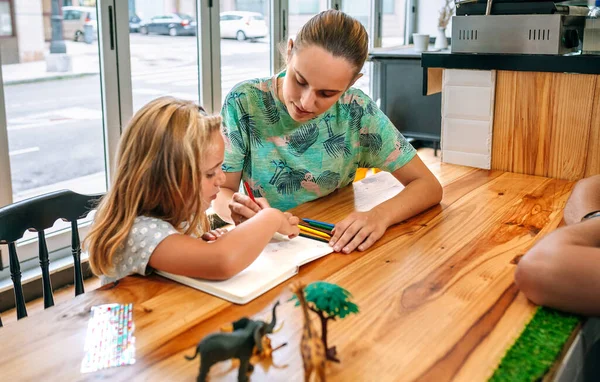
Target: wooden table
<point>436,296</point>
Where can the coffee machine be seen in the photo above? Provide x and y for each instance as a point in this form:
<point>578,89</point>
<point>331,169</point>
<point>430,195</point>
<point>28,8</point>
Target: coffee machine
<point>517,27</point>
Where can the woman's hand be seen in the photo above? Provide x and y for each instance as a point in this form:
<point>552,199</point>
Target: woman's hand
<point>243,208</point>
<point>358,230</point>
<point>214,234</point>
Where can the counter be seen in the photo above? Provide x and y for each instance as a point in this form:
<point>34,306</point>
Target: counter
<point>531,114</point>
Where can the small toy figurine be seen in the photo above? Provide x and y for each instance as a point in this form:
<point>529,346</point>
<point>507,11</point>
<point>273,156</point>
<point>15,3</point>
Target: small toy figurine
<point>311,346</point>
<point>238,344</point>
<point>329,301</point>
<point>265,359</point>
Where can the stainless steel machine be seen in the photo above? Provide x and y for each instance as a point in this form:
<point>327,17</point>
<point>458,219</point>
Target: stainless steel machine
<point>518,27</point>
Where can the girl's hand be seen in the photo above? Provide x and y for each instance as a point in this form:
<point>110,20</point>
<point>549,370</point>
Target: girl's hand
<point>359,230</point>
<point>289,225</point>
<point>243,208</point>
<point>214,234</point>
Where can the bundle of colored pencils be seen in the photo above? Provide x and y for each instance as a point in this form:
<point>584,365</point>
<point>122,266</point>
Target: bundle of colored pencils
<point>316,230</point>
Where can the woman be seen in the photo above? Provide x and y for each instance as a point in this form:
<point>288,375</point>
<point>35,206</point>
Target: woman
<point>302,134</point>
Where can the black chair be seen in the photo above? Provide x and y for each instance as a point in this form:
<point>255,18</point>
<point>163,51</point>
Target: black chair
<point>37,214</point>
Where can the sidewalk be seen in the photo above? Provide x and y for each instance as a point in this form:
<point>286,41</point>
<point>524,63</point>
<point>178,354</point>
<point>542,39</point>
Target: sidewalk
<point>84,59</point>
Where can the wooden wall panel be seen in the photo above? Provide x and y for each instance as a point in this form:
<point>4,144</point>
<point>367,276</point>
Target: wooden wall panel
<point>571,118</point>
<point>542,123</point>
<point>518,130</point>
<point>434,80</point>
<point>593,154</point>
<point>504,110</point>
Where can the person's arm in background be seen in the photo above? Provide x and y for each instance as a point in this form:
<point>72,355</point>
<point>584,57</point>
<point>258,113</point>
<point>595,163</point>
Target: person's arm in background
<point>584,199</point>
<point>562,270</point>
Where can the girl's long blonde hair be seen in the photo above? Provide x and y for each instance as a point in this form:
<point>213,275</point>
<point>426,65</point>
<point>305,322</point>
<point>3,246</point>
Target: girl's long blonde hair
<point>157,174</point>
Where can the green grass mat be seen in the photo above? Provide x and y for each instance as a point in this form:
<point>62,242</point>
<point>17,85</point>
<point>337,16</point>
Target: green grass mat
<point>537,348</point>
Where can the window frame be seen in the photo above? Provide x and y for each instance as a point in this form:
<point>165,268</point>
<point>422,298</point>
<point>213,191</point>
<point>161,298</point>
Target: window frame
<point>117,109</point>
<point>391,9</point>
<point>13,26</point>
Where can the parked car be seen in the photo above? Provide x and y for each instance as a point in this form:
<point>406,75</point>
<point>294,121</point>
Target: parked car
<point>174,24</point>
<point>74,19</point>
<point>243,25</point>
<point>134,23</point>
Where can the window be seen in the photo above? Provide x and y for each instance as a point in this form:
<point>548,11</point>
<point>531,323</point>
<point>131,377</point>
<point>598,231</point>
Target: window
<point>260,6</point>
<point>6,27</point>
<point>304,7</point>
<point>388,7</point>
<point>54,129</point>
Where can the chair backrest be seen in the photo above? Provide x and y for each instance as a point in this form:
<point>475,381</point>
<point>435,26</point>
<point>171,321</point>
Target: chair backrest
<point>37,214</point>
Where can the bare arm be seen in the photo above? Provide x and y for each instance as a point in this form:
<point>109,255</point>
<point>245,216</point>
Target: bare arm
<point>422,190</point>
<point>361,229</point>
<point>225,257</point>
<point>562,270</point>
<point>584,199</point>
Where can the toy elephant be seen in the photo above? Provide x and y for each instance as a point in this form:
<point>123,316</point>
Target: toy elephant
<point>237,344</point>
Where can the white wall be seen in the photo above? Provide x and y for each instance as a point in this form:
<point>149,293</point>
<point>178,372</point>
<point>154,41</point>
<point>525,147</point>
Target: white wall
<point>468,117</point>
<point>146,9</point>
<point>30,30</point>
<point>427,21</point>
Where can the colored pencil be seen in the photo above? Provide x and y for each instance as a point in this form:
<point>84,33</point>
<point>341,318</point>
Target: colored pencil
<point>326,231</point>
<point>309,236</point>
<point>314,232</point>
<point>249,191</point>
<point>319,224</point>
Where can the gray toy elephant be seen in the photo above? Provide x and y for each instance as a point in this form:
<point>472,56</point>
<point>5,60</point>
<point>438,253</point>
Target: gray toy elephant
<point>238,344</point>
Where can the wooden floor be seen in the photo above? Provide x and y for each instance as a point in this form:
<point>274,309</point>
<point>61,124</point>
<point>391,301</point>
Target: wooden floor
<point>66,293</point>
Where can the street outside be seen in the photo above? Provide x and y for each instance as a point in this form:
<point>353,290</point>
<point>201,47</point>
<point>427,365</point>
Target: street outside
<point>55,132</point>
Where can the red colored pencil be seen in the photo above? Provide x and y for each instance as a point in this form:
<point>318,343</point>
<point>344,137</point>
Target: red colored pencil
<point>249,191</point>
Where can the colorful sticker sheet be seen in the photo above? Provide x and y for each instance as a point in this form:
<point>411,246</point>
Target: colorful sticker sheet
<point>109,340</point>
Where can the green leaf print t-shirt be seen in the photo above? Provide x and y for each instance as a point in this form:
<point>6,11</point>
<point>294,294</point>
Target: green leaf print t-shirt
<point>290,163</point>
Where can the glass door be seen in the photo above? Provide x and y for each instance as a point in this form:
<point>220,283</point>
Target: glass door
<point>246,43</point>
<point>52,114</point>
<point>393,23</point>
<point>163,50</point>
<point>361,10</point>
<point>53,103</point>
<point>301,11</point>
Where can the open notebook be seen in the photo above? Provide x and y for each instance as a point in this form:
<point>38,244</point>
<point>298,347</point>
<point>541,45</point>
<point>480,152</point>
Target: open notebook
<point>278,262</point>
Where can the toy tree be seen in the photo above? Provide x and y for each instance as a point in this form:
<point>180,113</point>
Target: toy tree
<point>329,301</point>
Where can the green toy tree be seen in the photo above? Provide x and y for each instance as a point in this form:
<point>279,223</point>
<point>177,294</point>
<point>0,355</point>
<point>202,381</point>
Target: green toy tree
<point>329,301</point>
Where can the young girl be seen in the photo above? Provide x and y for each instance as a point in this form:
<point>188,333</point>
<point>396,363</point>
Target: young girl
<point>153,216</point>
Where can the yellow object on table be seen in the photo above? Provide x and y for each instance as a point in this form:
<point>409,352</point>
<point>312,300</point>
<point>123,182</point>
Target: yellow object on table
<point>361,173</point>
